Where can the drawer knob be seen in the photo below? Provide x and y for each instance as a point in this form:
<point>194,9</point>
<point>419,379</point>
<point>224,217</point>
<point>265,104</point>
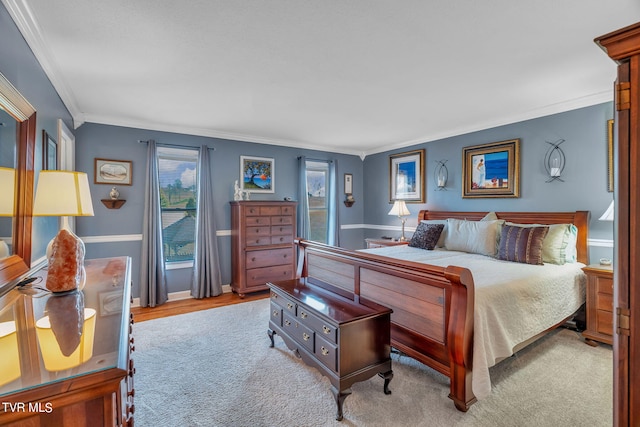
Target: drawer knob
<point>253,259</point>
<point>289,305</point>
<point>305,336</point>
<point>287,322</point>
<point>324,351</point>
<point>326,330</point>
<point>303,315</point>
<point>257,240</point>
<point>275,313</point>
<point>274,296</point>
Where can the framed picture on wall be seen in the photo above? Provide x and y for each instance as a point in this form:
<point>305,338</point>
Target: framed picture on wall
<point>348,183</point>
<point>406,176</point>
<point>112,172</point>
<point>257,174</point>
<point>610,156</point>
<point>491,170</point>
<point>49,152</point>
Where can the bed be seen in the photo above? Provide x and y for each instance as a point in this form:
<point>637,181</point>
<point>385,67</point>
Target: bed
<point>458,312</point>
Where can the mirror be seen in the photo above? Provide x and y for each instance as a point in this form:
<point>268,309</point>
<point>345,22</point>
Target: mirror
<point>23,115</point>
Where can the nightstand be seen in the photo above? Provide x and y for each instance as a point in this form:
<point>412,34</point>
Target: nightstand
<point>599,304</point>
<point>379,243</point>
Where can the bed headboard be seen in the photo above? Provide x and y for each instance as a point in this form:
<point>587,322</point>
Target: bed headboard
<point>578,218</point>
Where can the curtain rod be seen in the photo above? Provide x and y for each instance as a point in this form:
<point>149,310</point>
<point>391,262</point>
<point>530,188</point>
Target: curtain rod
<point>141,141</point>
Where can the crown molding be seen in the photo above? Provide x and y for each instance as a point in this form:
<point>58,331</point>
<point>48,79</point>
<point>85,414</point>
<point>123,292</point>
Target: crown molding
<point>30,30</point>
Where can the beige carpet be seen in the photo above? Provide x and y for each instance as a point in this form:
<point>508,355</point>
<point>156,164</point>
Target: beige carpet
<point>215,368</point>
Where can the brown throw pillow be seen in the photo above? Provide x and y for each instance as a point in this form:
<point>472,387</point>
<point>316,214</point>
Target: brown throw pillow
<point>522,244</point>
<point>426,236</point>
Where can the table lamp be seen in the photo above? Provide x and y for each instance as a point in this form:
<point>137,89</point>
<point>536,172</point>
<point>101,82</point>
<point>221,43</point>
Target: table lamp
<point>608,215</point>
<point>399,208</point>
<point>10,366</point>
<point>8,185</point>
<point>64,193</point>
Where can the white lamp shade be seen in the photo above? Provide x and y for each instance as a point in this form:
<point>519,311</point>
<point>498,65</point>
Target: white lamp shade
<point>609,213</point>
<point>8,185</point>
<point>399,208</point>
<point>62,193</point>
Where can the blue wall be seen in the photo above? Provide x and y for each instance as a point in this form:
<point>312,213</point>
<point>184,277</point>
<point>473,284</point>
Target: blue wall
<point>585,176</point>
<point>121,143</point>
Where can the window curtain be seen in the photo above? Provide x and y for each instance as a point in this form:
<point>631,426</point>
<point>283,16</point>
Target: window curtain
<point>153,281</point>
<point>207,281</point>
<point>333,226</point>
<point>303,199</point>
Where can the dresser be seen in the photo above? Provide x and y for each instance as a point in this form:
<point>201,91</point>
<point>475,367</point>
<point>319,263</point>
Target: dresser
<point>346,341</point>
<point>61,374</point>
<point>599,304</point>
<point>262,247</point>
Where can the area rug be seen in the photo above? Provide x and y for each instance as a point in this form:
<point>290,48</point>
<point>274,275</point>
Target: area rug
<point>215,368</point>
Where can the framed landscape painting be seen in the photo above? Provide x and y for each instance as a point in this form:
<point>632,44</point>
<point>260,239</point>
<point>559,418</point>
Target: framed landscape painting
<point>112,172</point>
<point>406,176</point>
<point>257,174</point>
<point>491,170</point>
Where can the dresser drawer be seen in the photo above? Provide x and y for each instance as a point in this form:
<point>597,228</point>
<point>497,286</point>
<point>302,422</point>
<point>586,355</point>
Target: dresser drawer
<point>322,328</point>
<point>605,322</point>
<point>327,353</point>
<point>604,302</point>
<point>267,258</point>
<point>281,240</point>
<point>270,210</point>
<point>281,220</point>
<point>279,230</point>
<point>260,276</point>
<point>258,231</point>
<point>258,220</point>
<point>284,302</point>
<point>259,241</point>
<point>276,314</point>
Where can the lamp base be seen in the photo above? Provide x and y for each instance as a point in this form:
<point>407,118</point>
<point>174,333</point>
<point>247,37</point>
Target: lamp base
<point>66,262</point>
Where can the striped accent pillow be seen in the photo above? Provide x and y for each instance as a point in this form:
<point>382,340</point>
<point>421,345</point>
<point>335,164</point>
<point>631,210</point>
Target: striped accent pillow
<point>522,244</point>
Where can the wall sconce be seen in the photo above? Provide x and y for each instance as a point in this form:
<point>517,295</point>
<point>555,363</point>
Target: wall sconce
<point>554,160</point>
<point>348,190</point>
<point>64,193</point>
<point>66,334</point>
<point>399,209</point>
<point>10,366</point>
<point>441,175</point>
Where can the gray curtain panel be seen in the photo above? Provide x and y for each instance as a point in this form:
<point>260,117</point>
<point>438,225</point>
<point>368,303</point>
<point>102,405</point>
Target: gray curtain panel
<point>333,227</point>
<point>303,199</point>
<point>153,281</point>
<point>207,281</point>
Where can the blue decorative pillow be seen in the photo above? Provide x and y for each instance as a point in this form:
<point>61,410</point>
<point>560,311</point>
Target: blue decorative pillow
<point>426,236</point>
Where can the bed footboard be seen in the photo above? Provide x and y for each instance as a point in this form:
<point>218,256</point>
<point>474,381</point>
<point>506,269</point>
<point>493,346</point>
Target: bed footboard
<point>432,319</point>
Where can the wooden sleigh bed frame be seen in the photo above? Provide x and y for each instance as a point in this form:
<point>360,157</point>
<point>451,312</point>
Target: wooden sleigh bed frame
<point>433,307</point>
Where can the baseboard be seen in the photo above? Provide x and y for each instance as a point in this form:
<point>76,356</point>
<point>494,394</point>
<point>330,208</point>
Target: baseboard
<point>180,295</point>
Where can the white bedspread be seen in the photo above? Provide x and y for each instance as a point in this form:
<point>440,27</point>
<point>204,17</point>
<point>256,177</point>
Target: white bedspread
<point>513,301</point>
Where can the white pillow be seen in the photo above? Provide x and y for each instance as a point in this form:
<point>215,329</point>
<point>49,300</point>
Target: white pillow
<point>440,243</point>
<point>559,245</point>
<point>478,237</point>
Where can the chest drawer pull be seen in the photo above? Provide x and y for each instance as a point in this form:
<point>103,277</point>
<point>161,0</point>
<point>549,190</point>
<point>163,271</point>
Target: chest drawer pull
<point>289,305</point>
<point>326,330</point>
<point>275,313</point>
<point>305,336</point>
<point>287,322</point>
<point>303,315</point>
<point>324,351</point>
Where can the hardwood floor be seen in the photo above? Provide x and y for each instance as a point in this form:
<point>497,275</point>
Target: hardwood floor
<point>173,308</point>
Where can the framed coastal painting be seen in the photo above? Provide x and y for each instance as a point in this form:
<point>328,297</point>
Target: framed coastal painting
<point>112,172</point>
<point>491,170</point>
<point>257,174</point>
<point>406,176</point>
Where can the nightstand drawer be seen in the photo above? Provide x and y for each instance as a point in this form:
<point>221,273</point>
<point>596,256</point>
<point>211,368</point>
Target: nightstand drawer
<point>605,322</point>
<point>605,286</point>
<point>604,302</point>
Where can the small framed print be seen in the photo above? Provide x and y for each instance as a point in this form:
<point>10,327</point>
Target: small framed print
<point>112,172</point>
<point>348,183</point>
<point>491,170</point>
<point>257,174</point>
<point>49,152</point>
<point>406,177</point>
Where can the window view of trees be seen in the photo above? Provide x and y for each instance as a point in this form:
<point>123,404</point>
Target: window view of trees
<point>317,178</point>
<point>177,171</point>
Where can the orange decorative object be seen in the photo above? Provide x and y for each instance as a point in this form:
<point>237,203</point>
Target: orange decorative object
<point>66,271</point>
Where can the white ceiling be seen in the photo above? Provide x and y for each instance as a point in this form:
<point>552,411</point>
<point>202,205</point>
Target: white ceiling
<point>350,76</point>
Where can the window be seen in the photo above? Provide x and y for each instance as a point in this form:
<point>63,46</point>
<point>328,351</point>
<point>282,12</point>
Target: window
<point>317,180</point>
<point>178,172</point>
